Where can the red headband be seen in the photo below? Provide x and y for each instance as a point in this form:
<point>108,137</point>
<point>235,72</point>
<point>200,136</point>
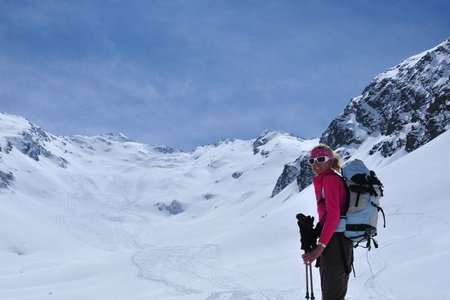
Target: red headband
<point>321,152</point>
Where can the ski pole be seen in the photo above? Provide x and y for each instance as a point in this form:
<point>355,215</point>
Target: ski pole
<point>307,283</point>
<point>311,279</point>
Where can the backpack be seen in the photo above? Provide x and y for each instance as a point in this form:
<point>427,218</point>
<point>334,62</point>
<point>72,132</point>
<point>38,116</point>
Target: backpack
<point>363,193</point>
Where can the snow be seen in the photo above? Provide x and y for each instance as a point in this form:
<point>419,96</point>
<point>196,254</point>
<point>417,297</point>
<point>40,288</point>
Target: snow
<point>11,124</point>
<point>92,230</point>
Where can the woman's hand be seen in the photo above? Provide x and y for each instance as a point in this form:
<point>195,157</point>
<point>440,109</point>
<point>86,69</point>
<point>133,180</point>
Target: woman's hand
<point>311,256</point>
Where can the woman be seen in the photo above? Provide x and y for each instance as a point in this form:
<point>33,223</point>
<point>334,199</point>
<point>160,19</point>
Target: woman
<point>333,248</point>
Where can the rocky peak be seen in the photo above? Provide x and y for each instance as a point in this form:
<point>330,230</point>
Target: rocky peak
<point>408,105</point>
<point>400,110</point>
<point>267,136</point>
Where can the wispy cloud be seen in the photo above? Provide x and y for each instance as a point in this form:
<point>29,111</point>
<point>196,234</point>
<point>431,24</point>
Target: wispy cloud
<point>185,73</point>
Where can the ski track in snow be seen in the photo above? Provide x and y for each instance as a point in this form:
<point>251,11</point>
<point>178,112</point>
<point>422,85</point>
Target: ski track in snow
<point>374,290</point>
<point>190,265</point>
<point>261,295</point>
<point>186,270</point>
<point>89,220</point>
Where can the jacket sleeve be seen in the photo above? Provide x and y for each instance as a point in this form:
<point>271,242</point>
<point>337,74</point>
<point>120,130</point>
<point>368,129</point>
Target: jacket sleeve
<point>334,193</point>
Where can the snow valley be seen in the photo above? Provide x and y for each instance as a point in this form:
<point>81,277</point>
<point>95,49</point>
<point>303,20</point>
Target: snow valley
<point>105,217</point>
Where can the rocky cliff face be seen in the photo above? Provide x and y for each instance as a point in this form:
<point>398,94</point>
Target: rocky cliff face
<point>406,106</point>
<point>32,142</point>
<point>400,110</point>
<point>298,171</point>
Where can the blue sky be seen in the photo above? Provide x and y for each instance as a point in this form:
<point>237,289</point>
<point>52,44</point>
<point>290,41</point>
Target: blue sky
<point>190,72</point>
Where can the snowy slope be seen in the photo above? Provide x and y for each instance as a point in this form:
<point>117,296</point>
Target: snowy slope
<point>105,215</point>
<point>412,260</point>
<point>108,218</point>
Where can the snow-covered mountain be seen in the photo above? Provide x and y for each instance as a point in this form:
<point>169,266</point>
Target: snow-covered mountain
<point>399,111</point>
<point>403,108</point>
<point>121,220</point>
<point>106,217</point>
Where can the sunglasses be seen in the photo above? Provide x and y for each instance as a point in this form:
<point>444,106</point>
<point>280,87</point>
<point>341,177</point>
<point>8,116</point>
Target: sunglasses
<point>320,160</point>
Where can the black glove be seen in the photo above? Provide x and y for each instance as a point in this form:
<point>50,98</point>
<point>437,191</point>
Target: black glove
<point>308,234</point>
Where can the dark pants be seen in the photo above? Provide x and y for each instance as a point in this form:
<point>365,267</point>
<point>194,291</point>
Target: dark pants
<point>335,267</point>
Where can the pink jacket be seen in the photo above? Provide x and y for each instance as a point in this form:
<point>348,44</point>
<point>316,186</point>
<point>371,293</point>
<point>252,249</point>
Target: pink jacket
<point>330,211</point>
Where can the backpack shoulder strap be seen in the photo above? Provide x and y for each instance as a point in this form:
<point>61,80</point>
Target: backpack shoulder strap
<point>347,194</point>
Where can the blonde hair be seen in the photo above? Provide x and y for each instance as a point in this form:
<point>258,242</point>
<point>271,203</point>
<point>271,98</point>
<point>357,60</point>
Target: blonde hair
<point>336,165</point>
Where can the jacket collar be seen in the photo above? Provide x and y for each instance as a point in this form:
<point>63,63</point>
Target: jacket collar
<point>330,171</point>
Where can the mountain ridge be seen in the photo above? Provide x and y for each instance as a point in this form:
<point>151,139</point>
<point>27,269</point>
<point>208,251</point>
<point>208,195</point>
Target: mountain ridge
<point>402,109</point>
<point>411,99</point>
